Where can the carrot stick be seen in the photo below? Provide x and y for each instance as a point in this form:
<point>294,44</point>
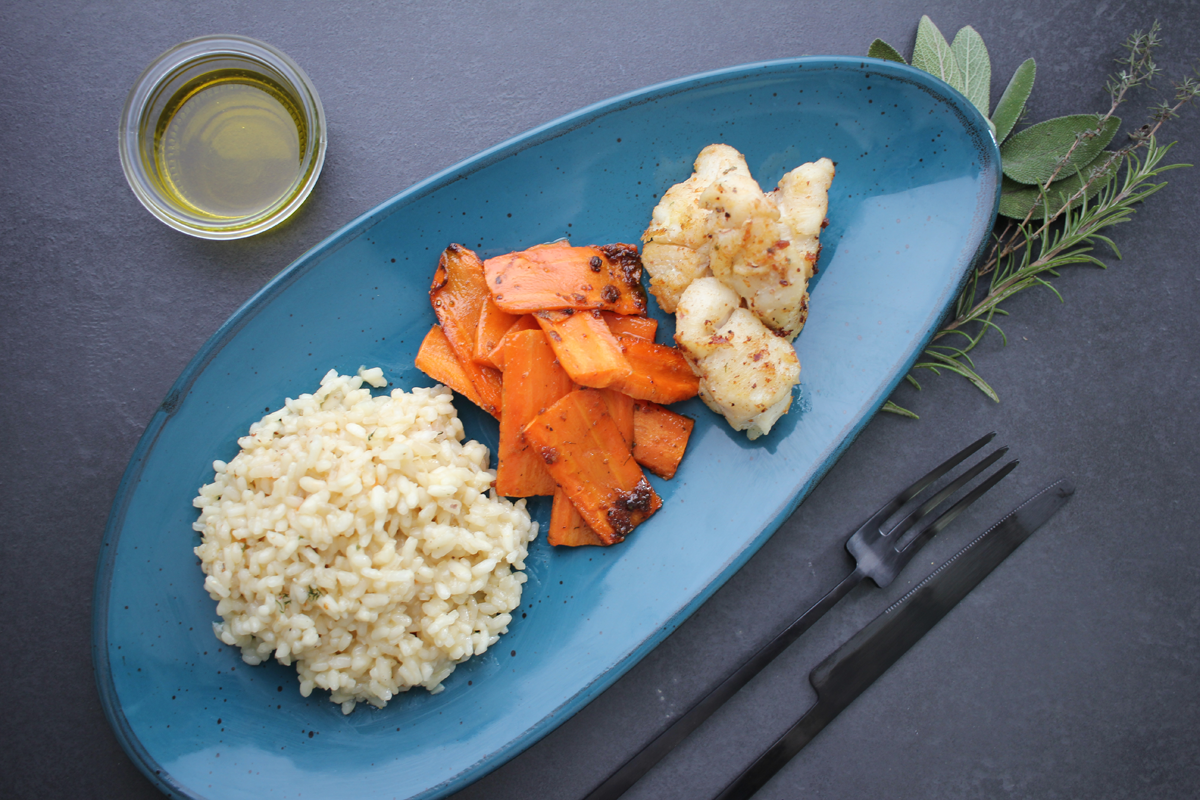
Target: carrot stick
<point>607,277</point>
<point>437,360</point>
<point>535,382</point>
<point>458,294</point>
<point>589,459</point>
<point>585,347</point>
<point>488,383</point>
<point>493,324</point>
<point>525,322</point>
<point>660,437</point>
<point>620,408</point>
<point>658,373</point>
<point>567,528</point>
<point>637,327</point>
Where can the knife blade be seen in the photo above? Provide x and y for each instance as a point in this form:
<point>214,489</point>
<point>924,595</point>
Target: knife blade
<point>854,666</point>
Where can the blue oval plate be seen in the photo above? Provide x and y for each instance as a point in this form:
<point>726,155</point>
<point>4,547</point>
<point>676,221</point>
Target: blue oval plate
<point>917,186</point>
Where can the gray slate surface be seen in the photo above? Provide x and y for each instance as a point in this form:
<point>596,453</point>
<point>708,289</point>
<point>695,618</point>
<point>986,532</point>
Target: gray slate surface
<point>1073,671</point>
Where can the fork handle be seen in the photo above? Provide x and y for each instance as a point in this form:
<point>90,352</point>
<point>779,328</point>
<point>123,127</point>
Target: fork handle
<point>632,770</point>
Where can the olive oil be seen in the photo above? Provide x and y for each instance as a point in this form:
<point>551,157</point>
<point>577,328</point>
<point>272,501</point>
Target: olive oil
<point>230,144</point>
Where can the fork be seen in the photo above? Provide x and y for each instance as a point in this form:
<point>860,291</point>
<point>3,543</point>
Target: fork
<point>878,555</point>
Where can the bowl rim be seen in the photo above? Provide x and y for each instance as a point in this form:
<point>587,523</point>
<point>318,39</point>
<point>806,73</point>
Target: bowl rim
<point>170,63</point>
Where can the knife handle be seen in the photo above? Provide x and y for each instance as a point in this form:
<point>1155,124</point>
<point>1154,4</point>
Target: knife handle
<point>632,770</point>
<point>766,765</point>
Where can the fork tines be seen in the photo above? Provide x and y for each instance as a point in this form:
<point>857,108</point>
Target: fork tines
<point>882,563</point>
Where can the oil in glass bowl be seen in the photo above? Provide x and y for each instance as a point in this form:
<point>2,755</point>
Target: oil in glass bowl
<point>223,137</point>
<point>228,144</point>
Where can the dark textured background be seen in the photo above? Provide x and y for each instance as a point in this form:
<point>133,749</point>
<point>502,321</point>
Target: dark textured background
<point>1073,671</point>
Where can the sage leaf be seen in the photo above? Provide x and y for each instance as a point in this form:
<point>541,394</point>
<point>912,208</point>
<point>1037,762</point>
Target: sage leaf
<point>881,49</point>
<point>1031,156</point>
<point>1012,102</point>
<point>1017,199</point>
<point>971,55</point>
<point>933,55</point>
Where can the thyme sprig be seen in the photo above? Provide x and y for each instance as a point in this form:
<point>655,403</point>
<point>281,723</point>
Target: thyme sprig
<point>1065,216</point>
<point>1028,257</point>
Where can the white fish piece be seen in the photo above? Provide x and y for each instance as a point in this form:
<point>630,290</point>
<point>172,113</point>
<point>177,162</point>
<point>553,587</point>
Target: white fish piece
<point>676,243</point>
<point>746,371</point>
<point>765,247</point>
<point>803,197</point>
<point>720,222</point>
<point>733,264</point>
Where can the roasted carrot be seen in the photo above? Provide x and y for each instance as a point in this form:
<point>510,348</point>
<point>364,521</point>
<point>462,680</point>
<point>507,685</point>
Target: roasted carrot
<point>458,294</point>
<point>525,322</point>
<point>637,327</point>
<point>567,528</point>
<point>437,360</point>
<point>584,451</point>
<point>607,277</point>
<point>544,245</point>
<point>493,324</point>
<point>659,438</point>
<point>657,373</point>
<point>585,347</point>
<point>534,382</point>
<point>488,383</point>
<point>620,408</point>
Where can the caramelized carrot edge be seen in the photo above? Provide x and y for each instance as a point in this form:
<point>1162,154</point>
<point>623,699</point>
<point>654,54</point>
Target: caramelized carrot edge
<point>543,278</point>
<point>589,459</point>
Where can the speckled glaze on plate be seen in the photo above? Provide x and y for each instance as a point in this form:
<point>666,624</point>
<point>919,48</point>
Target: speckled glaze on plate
<point>917,185</point>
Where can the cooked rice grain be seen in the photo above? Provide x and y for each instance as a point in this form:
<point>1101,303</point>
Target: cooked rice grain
<point>359,538</point>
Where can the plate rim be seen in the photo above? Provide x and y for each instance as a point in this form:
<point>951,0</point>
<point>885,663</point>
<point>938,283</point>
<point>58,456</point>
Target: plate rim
<point>106,560</point>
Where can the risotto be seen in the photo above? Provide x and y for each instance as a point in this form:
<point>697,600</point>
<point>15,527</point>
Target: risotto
<point>359,538</point>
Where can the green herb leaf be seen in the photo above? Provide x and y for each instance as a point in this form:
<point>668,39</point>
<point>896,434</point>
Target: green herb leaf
<point>881,49</point>
<point>1012,102</point>
<point>971,55</point>
<point>892,408</point>
<point>933,55</point>
<point>1102,188</point>
<point>1033,155</point>
<point>1017,199</point>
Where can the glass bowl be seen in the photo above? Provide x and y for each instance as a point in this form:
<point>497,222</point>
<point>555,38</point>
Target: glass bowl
<point>161,93</point>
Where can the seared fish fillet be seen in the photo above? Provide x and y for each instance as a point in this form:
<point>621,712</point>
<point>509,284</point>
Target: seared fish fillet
<point>733,264</point>
<point>746,371</point>
<point>676,247</point>
<point>719,222</point>
<point>757,248</point>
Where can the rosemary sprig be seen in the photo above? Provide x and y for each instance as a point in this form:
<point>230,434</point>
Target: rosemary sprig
<point>1069,213</point>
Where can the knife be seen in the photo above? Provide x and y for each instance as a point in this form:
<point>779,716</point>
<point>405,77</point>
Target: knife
<point>869,653</point>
